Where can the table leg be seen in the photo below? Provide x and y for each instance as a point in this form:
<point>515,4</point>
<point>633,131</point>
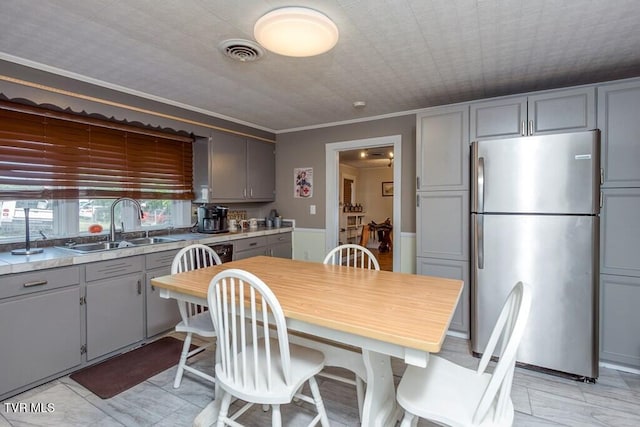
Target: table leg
<point>209,415</point>
<point>380,407</point>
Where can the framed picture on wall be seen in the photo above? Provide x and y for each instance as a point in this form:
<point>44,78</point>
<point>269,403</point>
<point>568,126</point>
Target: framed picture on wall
<point>387,188</point>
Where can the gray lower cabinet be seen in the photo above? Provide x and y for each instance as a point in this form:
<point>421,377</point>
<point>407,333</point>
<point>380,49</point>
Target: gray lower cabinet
<point>619,320</point>
<point>568,110</point>
<point>161,314</point>
<point>619,123</point>
<point>40,326</point>
<point>451,270</point>
<point>276,245</point>
<point>114,305</point>
<point>247,248</point>
<point>279,245</point>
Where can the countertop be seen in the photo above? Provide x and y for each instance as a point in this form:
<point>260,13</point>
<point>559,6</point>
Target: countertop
<point>57,257</point>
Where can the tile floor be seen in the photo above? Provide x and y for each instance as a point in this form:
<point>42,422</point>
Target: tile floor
<point>539,399</point>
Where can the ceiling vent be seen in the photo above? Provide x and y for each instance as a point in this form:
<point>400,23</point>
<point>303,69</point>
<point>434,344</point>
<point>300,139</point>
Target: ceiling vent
<point>241,50</point>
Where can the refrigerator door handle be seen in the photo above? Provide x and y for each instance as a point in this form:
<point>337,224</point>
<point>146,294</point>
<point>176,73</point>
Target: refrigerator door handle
<point>480,240</point>
<point>480,178</point>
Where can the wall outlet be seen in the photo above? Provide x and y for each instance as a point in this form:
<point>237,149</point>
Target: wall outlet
<point>312,209</point>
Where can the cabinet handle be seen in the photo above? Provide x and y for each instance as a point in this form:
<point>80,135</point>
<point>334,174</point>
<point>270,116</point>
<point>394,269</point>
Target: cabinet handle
<point>253,244</point>
<point>36,283</point>
<point>522,130</point>
<point>251,193</point>
<point>244,193</point>
<point>417,182</point>
<point>530,127</point>
<point>139,287</point>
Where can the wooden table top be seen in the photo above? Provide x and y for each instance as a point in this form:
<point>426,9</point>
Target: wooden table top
<point>404,309</point>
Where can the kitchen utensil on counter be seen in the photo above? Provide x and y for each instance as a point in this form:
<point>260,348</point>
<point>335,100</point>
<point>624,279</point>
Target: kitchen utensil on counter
<point>233,225</point>
<point>268,222</point>
<point>253,223</point>
<point>277,222</point>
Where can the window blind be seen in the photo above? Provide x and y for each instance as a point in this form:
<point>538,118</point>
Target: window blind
<point>53,155</point>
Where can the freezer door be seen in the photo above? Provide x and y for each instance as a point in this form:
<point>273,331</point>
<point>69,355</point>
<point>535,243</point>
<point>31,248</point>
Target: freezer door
<point>557,256</point>
<point>537,174</point>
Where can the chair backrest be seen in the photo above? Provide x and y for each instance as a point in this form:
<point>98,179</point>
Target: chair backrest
<point>193,257</point>
<point>243,308</point>
<point>352,255</point>
<point>189,258</point>
<point>508,330</point>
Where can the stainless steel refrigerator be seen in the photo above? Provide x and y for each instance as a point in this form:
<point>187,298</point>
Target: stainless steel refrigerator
<point>535,203</point>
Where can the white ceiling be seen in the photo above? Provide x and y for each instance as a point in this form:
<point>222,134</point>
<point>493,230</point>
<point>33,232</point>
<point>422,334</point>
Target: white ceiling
<point>397,55</point>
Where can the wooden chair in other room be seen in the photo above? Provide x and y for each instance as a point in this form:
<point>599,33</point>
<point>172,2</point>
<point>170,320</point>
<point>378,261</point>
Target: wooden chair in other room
<point>452,395</point>
<point>195,319</point>
<point>252,364</point>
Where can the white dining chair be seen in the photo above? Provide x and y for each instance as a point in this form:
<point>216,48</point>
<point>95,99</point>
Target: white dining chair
<point>252,364</point>
<point>352,255</point>
<point>355,256</point>
<point>195,318</point>
<point>449,394</point>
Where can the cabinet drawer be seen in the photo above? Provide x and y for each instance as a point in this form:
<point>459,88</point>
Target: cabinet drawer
<point>43,280</point>
<point>251,243</point>
<point>161,259</point>
<point>113,268</point>
<point>274,239</point>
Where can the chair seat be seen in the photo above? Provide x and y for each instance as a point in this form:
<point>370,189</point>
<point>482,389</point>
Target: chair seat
<point>200,324</point>
<point>305,363</point>
<point>446,393</point>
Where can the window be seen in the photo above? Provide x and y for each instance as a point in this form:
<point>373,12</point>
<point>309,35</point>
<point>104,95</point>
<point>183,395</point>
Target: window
<point>68,169</point>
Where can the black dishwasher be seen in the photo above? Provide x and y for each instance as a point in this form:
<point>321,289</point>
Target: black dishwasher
<point>224,251</point>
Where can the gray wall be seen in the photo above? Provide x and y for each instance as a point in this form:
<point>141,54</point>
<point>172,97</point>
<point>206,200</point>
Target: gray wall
<point>307,149</point>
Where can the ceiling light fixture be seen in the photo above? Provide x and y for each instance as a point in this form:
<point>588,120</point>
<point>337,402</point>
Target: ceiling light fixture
<point>296,31</point>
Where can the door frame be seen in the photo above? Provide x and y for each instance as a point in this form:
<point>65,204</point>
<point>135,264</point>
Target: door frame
<point>333,180</point>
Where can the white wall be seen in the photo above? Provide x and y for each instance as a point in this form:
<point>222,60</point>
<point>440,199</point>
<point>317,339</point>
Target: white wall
<point>377,208</point>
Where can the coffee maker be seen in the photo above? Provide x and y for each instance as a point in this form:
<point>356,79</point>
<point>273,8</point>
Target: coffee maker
<point>212,219</point>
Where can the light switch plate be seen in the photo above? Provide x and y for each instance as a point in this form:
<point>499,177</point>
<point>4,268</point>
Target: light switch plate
<point>312,209</point>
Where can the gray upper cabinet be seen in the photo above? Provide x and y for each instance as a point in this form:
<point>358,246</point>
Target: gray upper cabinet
<point>261,170</point>
<point>557,111</point>
<point>619,123</point>
<point>232,168</point>
<point>442,136</point>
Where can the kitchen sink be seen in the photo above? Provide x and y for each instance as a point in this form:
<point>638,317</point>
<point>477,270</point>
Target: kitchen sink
<point>105,246</point>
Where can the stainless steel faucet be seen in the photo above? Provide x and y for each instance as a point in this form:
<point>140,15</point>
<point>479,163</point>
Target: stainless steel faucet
<point>112,227</point>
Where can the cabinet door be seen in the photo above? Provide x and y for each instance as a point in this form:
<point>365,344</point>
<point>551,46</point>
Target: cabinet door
<point>261,170</point>
<point>451,270</point>
<point>620,232</point>
<point>562,111</point>
<point>619,320</point>
<point>162,313</point>
<point>619,122</point>
<point>442,225</point>
<point>280,245</point>
<point>115,314</point>
<point>500,118</point>
<point>442,156</point>
<point>228,167</point>
<point>40,336</point>
<point>201,166</point>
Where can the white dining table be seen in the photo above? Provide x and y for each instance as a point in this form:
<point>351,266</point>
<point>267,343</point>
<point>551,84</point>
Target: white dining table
<point>385,314</point>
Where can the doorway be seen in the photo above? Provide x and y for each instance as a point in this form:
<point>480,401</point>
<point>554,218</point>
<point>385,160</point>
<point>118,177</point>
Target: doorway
<point>334,183</point>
